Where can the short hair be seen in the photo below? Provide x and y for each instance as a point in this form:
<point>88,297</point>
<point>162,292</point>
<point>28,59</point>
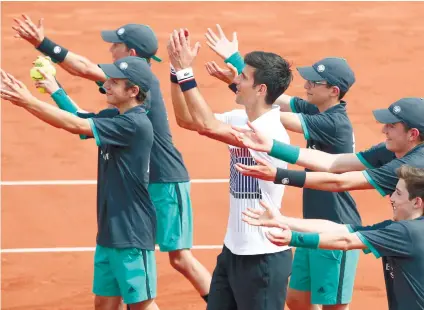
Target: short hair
<point>414,179</point>
<point>141,96</point>
<point>342,93</point>
<point>272,70</point>
<point>407,128</point>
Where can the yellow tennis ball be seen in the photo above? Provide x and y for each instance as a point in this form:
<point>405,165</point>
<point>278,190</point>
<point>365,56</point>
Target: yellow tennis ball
<point>43,62</point>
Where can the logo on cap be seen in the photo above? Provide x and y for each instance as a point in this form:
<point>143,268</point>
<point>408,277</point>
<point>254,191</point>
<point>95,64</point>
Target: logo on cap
<point>396,109</point>
<point>285,181</point>
<point>57,49</point>
<point>120,31</point>
<point>123,65</point>
<point>321,68</point>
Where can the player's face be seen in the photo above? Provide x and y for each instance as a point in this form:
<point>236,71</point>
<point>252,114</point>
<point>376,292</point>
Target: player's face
<point>317,92</point>
<point>116,92</point>
<point>246,94</point>
<point>118,51</point>
<point>396,137</point>
<point>403,208</point>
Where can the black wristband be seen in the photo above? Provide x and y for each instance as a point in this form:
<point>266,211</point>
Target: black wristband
<point>290,177</point>
<point>233,87</point>
<point>173,78</point>
<point>187,85</point>
<point>56,52</point>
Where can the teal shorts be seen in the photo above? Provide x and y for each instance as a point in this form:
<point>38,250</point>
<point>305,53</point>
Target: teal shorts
<point>328,274</point>
<point>174,215</point>
<point>129,273</point>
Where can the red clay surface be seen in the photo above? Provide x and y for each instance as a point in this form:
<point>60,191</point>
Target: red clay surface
<point>382,41</point>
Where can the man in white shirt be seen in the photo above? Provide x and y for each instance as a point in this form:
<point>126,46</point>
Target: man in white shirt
<point>251,272</point>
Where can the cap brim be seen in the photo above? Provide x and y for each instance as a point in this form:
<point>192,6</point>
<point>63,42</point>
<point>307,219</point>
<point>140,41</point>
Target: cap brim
<point>110,36</point>
<point>309,74</point>
<point>112,71</point>
<point>156,58</point>
<point>384,116</point>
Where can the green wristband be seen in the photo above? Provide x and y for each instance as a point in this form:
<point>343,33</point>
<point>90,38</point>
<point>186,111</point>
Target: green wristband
<point>304,240</point>
<point>237,61</point>
<point>63,101</point>
<point>284,151</point>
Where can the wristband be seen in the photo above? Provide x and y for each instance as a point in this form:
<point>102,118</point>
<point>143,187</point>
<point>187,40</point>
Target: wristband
<point>233,87</point>
<point>186,79</point>
<point>290,177</point>
<point>304,240</point>
<point>284,151</point>
<point>56,52</point>
<point>63,101</point>
<point>173,75</point>
<point>237,61</point>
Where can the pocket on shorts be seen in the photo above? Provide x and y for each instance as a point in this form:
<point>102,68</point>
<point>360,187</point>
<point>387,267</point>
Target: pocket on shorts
<point>334,255</point>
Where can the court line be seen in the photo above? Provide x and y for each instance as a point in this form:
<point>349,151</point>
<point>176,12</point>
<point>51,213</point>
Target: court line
<point>87,182</point>
<point>86,249</point>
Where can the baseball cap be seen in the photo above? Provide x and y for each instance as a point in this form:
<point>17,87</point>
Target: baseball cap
<point>135,69</point>
<point>333,70</point>
<point>137,36</point>
<point>407,110</point>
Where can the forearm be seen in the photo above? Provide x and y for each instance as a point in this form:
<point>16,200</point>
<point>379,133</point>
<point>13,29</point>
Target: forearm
<point>313,225</point>
<point>340,241</point>
<point>284,102</point>
<point>332,182</point>
<point>80,66</point>
<point>64,102</point>
<point>58,118</point>
<point>181,111</point>
<point>291,122</point>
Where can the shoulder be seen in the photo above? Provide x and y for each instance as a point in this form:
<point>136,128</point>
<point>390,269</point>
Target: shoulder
<point>236,117</point>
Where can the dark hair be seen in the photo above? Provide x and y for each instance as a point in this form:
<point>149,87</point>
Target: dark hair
<point>407,128</point>
<point>341,92</point>
<point>414,179</point>
<point>271,70</point>
<point>148,60</point>
<point>141,96</point>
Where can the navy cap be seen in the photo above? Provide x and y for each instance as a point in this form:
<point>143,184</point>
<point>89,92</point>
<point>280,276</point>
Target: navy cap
<point>333,70</point>
<point>136,36</point>
<point>135,69</point>
<point>407,110</point>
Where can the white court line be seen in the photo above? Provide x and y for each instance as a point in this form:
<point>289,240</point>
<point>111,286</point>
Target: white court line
<point>88,182</point>
<point>87,249</point>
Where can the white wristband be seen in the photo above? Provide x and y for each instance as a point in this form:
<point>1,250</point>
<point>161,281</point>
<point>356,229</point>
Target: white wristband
<point>184,75</point>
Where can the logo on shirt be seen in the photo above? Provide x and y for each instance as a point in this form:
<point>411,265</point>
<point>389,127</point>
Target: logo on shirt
<point>389,268</point>
<point>104,155</point>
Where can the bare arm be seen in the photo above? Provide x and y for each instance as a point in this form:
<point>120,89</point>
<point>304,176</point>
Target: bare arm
<point>205,121</point>
<point>58,118</point>
<point>334,163</point>
<point>332,182</point>
<point>80,66</point>
<point>312,225</point>
<point>340,241</point>
<point>181,111</point>
<point>284,102</point>
<point>291,122</point>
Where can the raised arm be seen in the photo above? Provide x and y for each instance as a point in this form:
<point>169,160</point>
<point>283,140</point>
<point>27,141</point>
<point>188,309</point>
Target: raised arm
<point>202,118</point>
<point>74,64</point>
<point>17,93</point>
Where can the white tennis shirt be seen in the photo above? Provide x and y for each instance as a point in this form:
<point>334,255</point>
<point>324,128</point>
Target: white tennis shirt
<point>242,238</point>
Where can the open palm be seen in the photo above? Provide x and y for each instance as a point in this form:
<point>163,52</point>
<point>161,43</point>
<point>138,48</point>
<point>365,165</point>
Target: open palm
<point>252,138</point>
<point>267,217</point>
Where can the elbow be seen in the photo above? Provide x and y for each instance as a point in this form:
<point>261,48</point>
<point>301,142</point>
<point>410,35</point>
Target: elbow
<point>205,129</point>
<point>185,124</point>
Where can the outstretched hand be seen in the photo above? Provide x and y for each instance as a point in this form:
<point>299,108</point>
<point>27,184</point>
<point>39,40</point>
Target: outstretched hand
<point>220,44</point>
<point>14,90</point>
<point>27,30</point>
<point>180,52</point>
<point>252,138</point>
<point>225,75</point>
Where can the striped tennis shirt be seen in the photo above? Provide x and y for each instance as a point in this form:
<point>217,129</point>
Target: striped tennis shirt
<point>246,192</point>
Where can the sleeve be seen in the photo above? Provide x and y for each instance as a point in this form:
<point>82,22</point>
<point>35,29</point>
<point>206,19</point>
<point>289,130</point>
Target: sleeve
<point>388,238</point>
<point>298,105</point>
<point>117,131</point>
<point>376,156</point>
<point>384,179</point>
<point>106,113</point>
<point>319,127</point>
<point>234,117</point>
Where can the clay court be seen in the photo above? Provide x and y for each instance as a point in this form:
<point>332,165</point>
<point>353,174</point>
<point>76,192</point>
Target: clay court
<point>383,42</point>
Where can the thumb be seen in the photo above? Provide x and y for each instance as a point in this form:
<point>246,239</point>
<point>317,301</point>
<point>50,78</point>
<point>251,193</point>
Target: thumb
<point>261,161</point>
<point>42,72</point>
<point>234,36</point>
<point>196,48</point>
<point>264,205</point>
<point>251,126</point>
<point>232,68</point>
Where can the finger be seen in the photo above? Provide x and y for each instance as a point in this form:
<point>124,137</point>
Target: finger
<point>251,214</point>
<point>251,126</point>
<point>41,23</point>
<point>239,129</point>
<point>196,48</point>
<point>29,23</point>
<point>171,42</point>
<point>187,36</point>
<point>232,68</point>
<point>24,27</point>
<point>213,35</point>
<point>208,68</point>
<point>182,38</point>
<point>250,221</point>
<point>220,31</point>
<point>18,36</point>
<point>210,39</point>
<point>216,67</point>
<point>235,37</point>
<point>43,73</point>
<point>261,161</point>
<point>176,39</point>
<point>21,32</point>
<point>264,205</point>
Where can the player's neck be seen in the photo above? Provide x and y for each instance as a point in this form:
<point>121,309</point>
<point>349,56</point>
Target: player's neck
<point>256,110</point>
<point>126,106</point>
<point>407,149</point>
<point>327,105</point>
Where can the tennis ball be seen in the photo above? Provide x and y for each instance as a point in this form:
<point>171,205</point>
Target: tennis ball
<point>45,63</point>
